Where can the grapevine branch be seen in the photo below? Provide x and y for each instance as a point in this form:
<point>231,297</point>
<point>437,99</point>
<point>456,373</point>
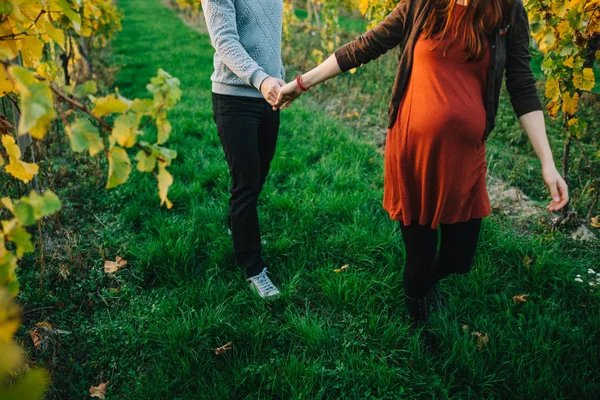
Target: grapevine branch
<point>105,125</point>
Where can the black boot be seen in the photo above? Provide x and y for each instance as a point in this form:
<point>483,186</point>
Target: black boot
<point>419,311</point>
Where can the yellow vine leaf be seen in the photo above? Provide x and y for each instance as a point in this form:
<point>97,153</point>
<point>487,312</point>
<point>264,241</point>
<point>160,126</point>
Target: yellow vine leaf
<point>552,89</point>
<point>595,223</point>
<point>6,84</point>
<point>125,129</point>
<point>37,103</point>
<point>48,70</point>
<point>570,103</point>
<point>584,80</point>
<point>363,6</point>
<point>119,167</point>
<point>12,355</point>
<point>10,49</point>
<point>591,5</point>
<point>19,169</point>
<point>84,136</point>
<point>109,105</point>
<point>57,35</point>
<point>31,51</point>
<point>164,129</point>
<point>9,318</point>
<point>552,107</point>
<point>165,180</point>
<point>145,162</point>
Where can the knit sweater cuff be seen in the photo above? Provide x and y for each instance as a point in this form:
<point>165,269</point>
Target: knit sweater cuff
<point>258,77</point>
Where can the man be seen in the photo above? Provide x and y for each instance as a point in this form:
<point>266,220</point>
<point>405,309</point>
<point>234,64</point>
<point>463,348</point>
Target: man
<point>248,74</point>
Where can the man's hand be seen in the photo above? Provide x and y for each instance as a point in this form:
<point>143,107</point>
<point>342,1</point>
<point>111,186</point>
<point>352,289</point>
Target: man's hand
<point>287,95</point>
<point>558,188</point>
<point>270,89</point>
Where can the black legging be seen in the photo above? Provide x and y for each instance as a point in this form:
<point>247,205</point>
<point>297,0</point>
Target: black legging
<point>425,266</point>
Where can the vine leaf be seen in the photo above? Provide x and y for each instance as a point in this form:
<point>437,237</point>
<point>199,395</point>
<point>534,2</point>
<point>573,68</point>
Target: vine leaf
<point>83,135</point>
<point>165,180</point>
<point>125,130</point>
<point>119,167</point>
<point>110,104</point>
<point>570,103</point>
<point>145,162</point>
<point>37,103</point>
<point>19,169</point>
<point>584,80</point>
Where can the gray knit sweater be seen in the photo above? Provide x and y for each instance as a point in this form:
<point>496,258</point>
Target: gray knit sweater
<point>246,35</point>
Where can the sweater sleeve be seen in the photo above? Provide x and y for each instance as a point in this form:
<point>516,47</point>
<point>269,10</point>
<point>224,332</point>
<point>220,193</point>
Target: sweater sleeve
<point>220,18</point>
<point>520,80</point>
<point>376,42</point>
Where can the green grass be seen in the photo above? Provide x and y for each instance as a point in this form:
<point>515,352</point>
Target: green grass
<point>153,328</point>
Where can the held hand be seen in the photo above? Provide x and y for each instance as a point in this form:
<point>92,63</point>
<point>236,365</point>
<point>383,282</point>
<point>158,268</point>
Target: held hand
<point>558,188</point>
<point>287,95</point>
<point>270,89</point>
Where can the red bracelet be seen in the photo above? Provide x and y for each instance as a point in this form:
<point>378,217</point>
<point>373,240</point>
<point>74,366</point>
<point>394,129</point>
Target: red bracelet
<point>301,84</point>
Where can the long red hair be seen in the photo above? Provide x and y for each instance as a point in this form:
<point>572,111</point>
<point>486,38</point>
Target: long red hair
<point>481,17</point>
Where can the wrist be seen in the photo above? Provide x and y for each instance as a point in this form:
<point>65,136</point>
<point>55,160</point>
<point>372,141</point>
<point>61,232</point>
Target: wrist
<point>301,85</point>
<point>258,78</point>
<point>548,163</point>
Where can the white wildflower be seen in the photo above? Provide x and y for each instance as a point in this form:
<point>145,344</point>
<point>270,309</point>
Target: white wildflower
<point>591,271</point>
<point>578,280</point>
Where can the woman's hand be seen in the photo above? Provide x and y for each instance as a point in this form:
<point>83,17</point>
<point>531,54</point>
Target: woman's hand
<point>558,188</point>
<point>287,95</point>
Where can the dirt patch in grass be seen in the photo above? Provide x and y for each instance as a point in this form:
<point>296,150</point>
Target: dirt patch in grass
<point>193,19</point>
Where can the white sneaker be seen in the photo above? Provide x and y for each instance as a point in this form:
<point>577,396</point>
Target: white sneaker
<point>262,285</point>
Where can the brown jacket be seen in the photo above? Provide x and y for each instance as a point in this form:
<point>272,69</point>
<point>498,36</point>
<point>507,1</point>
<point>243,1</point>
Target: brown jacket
<point>509,47</point>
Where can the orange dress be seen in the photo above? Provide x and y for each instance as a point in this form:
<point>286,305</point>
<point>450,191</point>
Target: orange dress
<point>435,167</point>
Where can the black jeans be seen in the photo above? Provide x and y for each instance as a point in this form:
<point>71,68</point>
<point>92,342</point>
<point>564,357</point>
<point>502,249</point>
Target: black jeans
<point>425,265</point>
<point>248,129</point>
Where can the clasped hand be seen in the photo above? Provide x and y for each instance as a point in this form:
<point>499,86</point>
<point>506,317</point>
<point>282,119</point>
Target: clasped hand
<point>279,94</point>
<point>287,94</point>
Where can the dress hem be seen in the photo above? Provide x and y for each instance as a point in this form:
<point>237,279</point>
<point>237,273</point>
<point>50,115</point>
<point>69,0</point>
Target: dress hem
<point>474,215</point>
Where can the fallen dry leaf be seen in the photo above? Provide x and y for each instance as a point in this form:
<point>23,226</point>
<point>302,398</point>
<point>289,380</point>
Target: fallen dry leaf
<point>527,260</point>
<point>482,339</point>
<point>595,222</point>
<point>345,267</point>
<point>522,298</point>
<point>36,338</point>
<point>223,349</point>
<point>44,325</point>
<point>110,267</point>
<point>99,391</point>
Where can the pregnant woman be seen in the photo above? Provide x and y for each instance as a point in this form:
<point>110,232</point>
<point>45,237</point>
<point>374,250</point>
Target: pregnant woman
<point>454,56</point>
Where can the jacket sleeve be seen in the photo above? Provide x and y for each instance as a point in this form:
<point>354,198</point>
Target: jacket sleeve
<point>220,18</point>
<point>376,42</point>
<point>520,81</point>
